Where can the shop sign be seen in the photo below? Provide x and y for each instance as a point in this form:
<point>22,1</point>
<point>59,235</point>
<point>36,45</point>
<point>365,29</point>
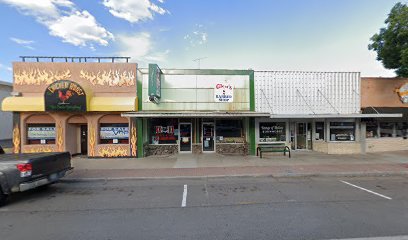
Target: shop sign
<point>403,93</point>
<point>65,96</point>
<point>114,132</point>
<point>223,93</point>
<point>41,133</point>
<point>154,83</point>
<point>270,132</point>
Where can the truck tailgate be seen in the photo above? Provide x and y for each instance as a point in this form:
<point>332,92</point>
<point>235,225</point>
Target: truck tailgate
<point>49,163</point>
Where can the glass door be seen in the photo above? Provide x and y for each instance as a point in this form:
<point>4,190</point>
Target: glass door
<point>301,135</point>
<point>208,137</point>
<point>185,137</point>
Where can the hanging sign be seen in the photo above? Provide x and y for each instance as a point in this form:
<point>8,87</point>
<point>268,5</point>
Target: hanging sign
<point>403,93</point>
<point>65,96</point>
<point>223,93</point>
<point>154,83</point>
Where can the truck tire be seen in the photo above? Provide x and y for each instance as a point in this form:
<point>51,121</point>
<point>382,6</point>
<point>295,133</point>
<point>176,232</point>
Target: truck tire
<point>3,197</point>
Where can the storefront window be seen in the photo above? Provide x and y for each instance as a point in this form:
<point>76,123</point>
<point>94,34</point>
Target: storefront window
<point>401,129</point>
<point>164,131</point>
<point>272,131</point>
<point>342,131</point>
<point>372,129</point>
<point>386,129</point>
<point>319,134</point>
<point>114,133</point>
<point>229,131</point>
<point>41,134</point>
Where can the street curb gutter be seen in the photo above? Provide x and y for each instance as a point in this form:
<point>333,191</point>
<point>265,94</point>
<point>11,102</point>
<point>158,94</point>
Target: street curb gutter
<point>283,175</point>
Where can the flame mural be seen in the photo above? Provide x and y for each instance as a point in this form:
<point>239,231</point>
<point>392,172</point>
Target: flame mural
<point>110,78</point>
<point>36,76</point>
<point>133,139</point>
<point>91,141</point>
<point>38,149</point>
<point>16,139</point>
<point>60,137</point>
<point>113,151</point>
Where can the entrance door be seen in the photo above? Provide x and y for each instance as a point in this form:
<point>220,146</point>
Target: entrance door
<point>208,137</point>
<point>185,137</point>
<point>303,135</point>
<point>84,139</point>
<point>301,130</point>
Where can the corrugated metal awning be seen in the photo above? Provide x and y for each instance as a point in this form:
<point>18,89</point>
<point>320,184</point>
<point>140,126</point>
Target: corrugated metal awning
<point>23,104</point>
<point>152,114</point>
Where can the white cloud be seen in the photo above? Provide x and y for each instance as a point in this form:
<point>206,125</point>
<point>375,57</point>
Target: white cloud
<point>80,28</point>
<point>133,10</point>
<point>140,47</point>
<point>198,37</point>
<point>22,42</point>
<point>65,21</point>
<point>6,67</point>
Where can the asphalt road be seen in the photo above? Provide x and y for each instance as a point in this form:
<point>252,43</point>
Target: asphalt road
<point>215,208</point>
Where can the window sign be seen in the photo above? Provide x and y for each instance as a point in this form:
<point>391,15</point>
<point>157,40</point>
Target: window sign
<point>342,131</point>
<point>114,133</point>
<point>38,133</point>
<point>272,131</point>
<point>224,93</point>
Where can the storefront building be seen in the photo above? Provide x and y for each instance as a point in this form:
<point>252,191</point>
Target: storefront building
<point>75,107</point>
<point>390,96</point>
<point>195,111</point>
<point>317,111</point>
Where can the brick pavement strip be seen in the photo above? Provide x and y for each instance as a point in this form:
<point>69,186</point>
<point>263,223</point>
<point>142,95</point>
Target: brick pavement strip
<point>276,171</point>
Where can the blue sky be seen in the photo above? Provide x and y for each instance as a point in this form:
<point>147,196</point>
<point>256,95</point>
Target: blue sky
<point>311,35</point>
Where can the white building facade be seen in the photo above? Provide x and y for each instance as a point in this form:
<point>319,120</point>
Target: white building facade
<point>319,111</point>
<point>6,118</point>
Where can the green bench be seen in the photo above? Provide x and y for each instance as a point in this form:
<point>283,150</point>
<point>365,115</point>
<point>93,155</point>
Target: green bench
<point>272,147</point>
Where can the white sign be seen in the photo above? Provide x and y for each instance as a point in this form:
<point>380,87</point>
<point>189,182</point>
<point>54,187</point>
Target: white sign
<point>223,93</point>
<point>41,133</point>
<point>114,132</point>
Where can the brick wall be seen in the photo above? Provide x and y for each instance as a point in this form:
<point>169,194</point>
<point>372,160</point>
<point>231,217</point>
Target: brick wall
<point>386,144</point>
<point>320,146</point>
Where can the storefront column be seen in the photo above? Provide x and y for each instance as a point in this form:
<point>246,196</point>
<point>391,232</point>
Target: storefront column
<point>16,133</point>
<point>363,137</point>
<point>140,147</point>
<point>252,143</point>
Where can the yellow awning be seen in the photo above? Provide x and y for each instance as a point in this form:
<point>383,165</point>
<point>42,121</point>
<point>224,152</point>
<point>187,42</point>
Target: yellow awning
<point>23,104</point>
<point>113,104</point>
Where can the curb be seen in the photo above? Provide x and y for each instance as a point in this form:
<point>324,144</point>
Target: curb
<point>294,175</point>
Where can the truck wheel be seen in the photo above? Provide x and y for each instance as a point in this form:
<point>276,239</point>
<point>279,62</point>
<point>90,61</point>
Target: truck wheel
<point>3,198</point>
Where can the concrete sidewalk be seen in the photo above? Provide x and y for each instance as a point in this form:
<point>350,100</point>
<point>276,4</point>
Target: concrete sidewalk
<point>215,165</point>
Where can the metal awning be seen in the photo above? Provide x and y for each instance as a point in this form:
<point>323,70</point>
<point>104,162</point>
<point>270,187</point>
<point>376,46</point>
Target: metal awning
<point>23,104</point>
<point>152,114</point>
<point>113,104</point>
<point>357,115</point>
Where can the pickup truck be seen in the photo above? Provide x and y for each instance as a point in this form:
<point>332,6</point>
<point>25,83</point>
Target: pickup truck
<point>21,172</point>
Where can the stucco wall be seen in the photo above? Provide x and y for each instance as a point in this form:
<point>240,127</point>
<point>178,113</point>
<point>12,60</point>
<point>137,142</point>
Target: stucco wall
<point>386,144</point>
<point>380,92</point>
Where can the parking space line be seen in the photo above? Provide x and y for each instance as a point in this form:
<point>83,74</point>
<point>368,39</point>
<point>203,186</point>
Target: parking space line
<point>364,189</point>
<point>184,201</point>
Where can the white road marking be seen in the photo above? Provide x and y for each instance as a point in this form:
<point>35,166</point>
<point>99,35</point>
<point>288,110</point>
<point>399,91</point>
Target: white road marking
<point>184,201</point>
<point>361,188</point>
<point>376,238</point>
